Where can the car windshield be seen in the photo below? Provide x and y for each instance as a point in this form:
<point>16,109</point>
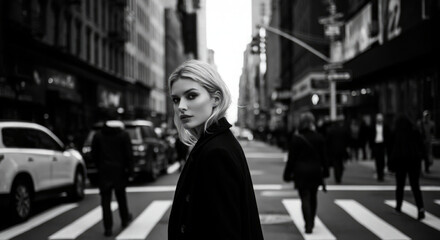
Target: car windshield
<point>135,134</point>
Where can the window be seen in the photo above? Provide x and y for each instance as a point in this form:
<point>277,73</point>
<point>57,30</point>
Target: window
<point>78,38</point>
<point>88,47</point>
<point>28,138</point>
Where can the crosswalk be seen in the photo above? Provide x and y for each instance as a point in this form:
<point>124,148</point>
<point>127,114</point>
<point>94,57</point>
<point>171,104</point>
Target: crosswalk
<point>147,220</point>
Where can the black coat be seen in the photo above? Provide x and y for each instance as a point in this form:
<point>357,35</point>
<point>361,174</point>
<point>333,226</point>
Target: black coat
<point>214,197</point>
<point>112,154</point>
<point>307,163</point>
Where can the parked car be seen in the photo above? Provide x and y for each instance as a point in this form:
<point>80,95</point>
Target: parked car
<point>149,151</point>
<point>34,164</point>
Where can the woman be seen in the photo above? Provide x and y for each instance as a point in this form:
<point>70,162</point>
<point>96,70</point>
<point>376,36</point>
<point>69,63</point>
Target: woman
<point>406,159</point>
<point>214,197</point>
<point>307,166</point>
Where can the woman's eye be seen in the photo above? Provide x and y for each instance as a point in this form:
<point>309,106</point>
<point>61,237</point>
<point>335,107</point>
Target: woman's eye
<point>192,96</point>
<point>175,100</point>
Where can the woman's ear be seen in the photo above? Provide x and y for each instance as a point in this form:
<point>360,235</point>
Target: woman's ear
<point>216,99</point>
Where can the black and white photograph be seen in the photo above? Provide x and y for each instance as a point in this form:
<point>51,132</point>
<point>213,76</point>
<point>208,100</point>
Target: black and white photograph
<point>219,119</point>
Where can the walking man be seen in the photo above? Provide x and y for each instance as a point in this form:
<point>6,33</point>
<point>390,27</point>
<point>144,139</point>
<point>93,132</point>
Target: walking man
<point>112,153</point>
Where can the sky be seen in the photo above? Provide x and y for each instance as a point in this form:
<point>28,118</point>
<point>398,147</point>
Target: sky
<point>229,30</point>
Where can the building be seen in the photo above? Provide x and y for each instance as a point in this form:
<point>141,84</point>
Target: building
<point>62,63</point>
<point>391,47</point>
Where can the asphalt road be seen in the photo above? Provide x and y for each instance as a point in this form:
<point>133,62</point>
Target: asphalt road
<point>358,208</point>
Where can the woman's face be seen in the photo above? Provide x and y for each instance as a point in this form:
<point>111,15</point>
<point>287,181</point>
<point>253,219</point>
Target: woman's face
<point>192,103</point>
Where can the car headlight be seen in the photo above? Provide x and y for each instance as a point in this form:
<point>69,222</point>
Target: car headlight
<point>76,154</point>
<point>86,150</point>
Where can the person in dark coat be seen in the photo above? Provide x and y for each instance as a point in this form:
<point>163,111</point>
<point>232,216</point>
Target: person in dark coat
<point>307,167</point>
<point>214,197</point>
<point>406,159</point>
<point>379,143</point>
<point>112,153</point>
<point>337,143</point>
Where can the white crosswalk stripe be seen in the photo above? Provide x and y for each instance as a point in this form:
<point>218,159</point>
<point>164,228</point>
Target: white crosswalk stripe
<point>142,226</point>
<point>35,221</point>
<point>369,220</point>
<point>320,231</point>
<point>82,224</point>
<point>411,210</point>
<point>145,222</point>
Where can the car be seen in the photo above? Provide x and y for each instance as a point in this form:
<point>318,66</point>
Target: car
<point>35,164</point>
<point>149,150</point>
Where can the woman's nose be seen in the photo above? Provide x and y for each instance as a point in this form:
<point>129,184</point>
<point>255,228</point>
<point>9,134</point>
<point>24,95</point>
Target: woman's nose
<point>182,105</point>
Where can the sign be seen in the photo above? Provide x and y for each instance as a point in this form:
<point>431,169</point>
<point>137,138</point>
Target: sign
<point>338,76</point>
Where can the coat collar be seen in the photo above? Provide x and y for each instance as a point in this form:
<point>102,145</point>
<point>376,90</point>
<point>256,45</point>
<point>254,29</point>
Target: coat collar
<point>215,129</point>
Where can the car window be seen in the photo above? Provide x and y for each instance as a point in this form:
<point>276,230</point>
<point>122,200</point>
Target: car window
<point>135,134</point>
<point>148,132</point>
<point>47,142</point>
<point>19,138</point>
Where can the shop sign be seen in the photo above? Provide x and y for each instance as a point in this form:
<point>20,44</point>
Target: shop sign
<point>357,38</point>
<point>58,80</point>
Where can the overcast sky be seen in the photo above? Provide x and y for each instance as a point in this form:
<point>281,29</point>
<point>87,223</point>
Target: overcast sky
<point>228,32</point>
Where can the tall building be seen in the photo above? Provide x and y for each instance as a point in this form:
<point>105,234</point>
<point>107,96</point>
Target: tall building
<point>145,61</point>
<point>62,62</point>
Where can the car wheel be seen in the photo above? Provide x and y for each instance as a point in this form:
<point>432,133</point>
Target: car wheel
<point>77,191</point>
<point>21,201</point>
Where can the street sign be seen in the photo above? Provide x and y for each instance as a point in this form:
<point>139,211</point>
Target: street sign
<point>339,76</point>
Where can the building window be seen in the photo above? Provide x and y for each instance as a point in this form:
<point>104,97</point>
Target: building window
<point>88,44</point>
<point>104,54</point>
<point>56,26</point>
<point>96,50</point>
<point>78,38</point>
<point>68,19</point>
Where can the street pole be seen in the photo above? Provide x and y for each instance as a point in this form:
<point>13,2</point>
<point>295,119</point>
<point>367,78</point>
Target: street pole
<point>331,25</point>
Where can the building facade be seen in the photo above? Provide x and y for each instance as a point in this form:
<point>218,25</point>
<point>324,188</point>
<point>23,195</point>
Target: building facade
<point>62,62</point>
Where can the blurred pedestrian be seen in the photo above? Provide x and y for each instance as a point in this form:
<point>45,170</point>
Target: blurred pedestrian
<point>427,129</point>
<point>214,197</point>
<point>337,143</point>
<point>112,153</point>
<point>365,132</point>
<point>405,159</point>
<point>355,141</point>
<point>379,141</point>
<point>307,166</point>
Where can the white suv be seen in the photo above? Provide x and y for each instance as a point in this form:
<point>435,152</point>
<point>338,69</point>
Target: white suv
<point>34,163</point>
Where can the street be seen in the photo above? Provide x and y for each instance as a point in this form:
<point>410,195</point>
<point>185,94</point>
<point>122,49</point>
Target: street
<point>358,208</point>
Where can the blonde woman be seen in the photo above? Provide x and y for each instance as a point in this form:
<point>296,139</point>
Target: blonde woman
<point>214,197</point>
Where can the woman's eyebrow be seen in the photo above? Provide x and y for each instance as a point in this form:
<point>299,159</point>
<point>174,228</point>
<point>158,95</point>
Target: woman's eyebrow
<point>187,91</point>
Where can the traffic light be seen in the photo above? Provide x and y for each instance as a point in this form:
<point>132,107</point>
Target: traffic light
<point>255,45</point>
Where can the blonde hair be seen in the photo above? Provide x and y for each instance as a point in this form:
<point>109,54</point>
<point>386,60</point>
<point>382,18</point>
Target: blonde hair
<point>208,78</point>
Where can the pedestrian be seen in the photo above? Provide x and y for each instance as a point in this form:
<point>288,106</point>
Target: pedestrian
<point>337,143</point>
<point>365,132</point>
<point>355,141</point>
<point>427,129</point>
<point>112,153</point>
<point>214,197</point>
<point>406,157</point>
<point>379,143</point>
<point>307,166</point>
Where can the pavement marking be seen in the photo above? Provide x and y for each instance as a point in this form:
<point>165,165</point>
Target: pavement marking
<point>262,187</point>
<point>369,220</point>
<point>82,224</point>
<point>320,231</point>
<point>256,172</point>
<point>290,193</point>
<point>142,226</point>
<point>411,210</point>
<point>265,155</point>
<point>35,221</point>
